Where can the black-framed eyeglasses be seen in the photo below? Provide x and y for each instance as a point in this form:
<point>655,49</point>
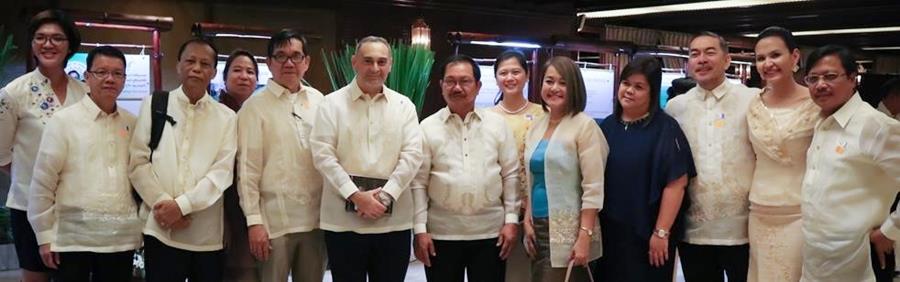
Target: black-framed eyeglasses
<point>105,74</point>
<point>465,83</point>
<point>55,40</point>
<point>295,58</point>
<point>828,78</point>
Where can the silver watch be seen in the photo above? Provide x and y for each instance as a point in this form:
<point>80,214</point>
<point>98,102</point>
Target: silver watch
<point>385,198</point>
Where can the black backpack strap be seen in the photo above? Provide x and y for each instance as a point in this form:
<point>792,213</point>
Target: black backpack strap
<point>159,115</point>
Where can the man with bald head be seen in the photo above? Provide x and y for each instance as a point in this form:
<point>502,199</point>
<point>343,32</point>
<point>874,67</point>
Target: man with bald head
<point>367,145</point>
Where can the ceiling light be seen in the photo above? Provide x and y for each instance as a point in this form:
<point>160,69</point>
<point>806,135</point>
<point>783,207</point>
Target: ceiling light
<point>232,35</point>
<point>839,31</point>
<point>888,48</point>
<point>506,44</point>
<point>706,5</point>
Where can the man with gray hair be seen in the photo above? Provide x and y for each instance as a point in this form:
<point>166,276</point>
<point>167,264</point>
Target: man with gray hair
<point>367,145</point>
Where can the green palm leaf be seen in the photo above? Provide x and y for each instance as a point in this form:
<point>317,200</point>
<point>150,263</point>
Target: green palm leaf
<point>409,75</point>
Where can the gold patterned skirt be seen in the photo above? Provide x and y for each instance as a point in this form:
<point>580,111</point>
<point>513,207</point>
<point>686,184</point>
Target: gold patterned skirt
<point>776,243</point>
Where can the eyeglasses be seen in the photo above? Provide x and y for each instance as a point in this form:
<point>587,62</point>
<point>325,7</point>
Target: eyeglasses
<point>55,40</point>
<point>828,78</point>
<point>295,58</point>
<point>465,83</point>
<point>105,74</point>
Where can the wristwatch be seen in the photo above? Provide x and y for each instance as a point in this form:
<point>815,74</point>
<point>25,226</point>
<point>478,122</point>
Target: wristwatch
<point>661,233</point>
<point>385,198</point>
<point>590,233</point>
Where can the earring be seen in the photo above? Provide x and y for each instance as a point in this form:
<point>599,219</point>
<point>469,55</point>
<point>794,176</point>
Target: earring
<point>796,68</point>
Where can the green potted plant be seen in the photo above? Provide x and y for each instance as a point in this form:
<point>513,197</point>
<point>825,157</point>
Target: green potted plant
<point>409,75</point>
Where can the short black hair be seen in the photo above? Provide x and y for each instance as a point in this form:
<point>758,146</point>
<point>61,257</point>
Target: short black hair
<point>680,86</point>
<point>723,44</point>
<point>65,23</point>
<point>215,55</point>
<point>234,55</point>
<point>843,53</point>
<point>459,59</point>
<point>282,38</point>
<point>891,87</point>
<point>107,51</point>
<point>651,69</point>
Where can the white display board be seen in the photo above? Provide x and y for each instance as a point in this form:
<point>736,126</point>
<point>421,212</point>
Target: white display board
<point>489,88</point>
<point>600,86</point>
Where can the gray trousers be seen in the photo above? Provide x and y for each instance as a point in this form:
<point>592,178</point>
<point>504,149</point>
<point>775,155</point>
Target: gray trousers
<point>300,255</point>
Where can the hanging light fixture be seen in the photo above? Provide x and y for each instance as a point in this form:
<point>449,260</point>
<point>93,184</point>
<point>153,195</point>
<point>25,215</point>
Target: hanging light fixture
<point>421,34</point>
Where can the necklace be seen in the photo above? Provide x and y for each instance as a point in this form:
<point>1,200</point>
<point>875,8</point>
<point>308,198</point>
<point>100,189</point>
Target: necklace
<point>636,121</point>
<point>505,110</point>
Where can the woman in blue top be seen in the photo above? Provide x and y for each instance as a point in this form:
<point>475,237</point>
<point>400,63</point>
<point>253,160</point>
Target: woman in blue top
<point>566,152</point>
<point>647,170</point>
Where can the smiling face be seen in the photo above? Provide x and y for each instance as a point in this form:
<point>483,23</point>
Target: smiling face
<point>372,63</point>
<point>831,95</point>
<point>511,77</point>
<point>634,94</point>
<point>106,78</point>
<point>708,61</point>
<point>774,61</point>
<point>459,88</point>
<point>50,45</point>
<point>240,77</point>
<point>196,66</point>
<point>554,91</point>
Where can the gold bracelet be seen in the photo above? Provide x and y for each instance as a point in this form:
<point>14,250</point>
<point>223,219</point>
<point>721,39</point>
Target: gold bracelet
<point>590,232</point>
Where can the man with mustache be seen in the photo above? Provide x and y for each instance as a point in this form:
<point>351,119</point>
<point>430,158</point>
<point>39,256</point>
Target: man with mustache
<point>852,175</point>
<point>465,192</point>
<point>368,147</point>
<point>280,189</point>
<point>181,181</point>
<point>713,117</point>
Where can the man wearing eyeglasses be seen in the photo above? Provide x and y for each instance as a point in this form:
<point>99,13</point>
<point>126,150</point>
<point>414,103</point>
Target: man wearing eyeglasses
<point>466,207</point>
<point>280,189</point>
<point>367,144</point>
<point>852,175</point>
<point>181,182</point>
<point>80,190</point>
<point>713,116</point>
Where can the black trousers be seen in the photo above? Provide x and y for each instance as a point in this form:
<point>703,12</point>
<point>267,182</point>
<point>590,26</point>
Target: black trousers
<point>707,263</point>
<point>382,257</point>
<point>163,263</point>
<point>886,274</point>
<point>27,249</point>
<point>95,267</point>
<point>479,260</point>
